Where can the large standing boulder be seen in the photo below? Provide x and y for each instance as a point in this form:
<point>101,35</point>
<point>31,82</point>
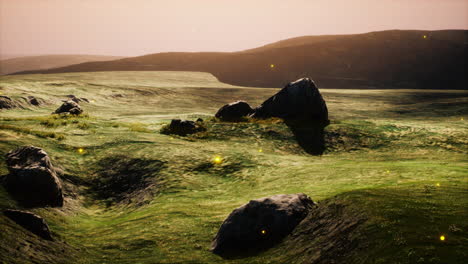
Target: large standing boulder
<point>31,222</point>
<point>32,179</point>
<point>260,224</point>
<point>299,100</point>
<point>303,109</point>
<point>69,107</point>
<point>234,111</point>
<point>6,102</point>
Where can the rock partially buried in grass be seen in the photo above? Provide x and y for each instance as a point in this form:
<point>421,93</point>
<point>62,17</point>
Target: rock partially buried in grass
<point>234,111</point>
<point>33,100</point>
<point>76,99</point>
<point>182,127</point>
<point>260,224</point>
<point>69,107</point>
<point>31,222</point>
<point>32,179</point>
<point>6,102</point>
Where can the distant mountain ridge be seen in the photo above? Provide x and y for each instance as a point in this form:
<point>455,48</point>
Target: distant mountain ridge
<point>384,59</point>
<point>42,62</point>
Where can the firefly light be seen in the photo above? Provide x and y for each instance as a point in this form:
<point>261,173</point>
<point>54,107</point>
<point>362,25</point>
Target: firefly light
<point>272,66</point>
<point>438,184</point>
<point>217,160</point>
<point>80,150</point>
<point>263,232</point>
<point>442,238</point>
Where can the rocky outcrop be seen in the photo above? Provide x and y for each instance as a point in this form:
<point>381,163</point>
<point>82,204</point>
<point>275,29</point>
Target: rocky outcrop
<point>30,222</point>
<point>260,224</point>
<point>69,107</point>
<point>234,111</point>
<point>32,179</point>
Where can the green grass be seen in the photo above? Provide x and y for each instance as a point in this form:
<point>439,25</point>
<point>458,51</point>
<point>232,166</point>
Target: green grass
<point>386,152</point>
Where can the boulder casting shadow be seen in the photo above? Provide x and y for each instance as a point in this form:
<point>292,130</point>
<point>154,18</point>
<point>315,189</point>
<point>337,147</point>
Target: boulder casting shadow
<point>304,111</point>
<point>32,179</point>
<point>260,224</point>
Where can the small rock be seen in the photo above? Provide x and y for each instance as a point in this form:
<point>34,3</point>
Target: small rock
<point>6,102</point>
<point>260,224</point>
<point>31,222</point>
<point>33,100</point>
<point>32,179</point>
<point>234,111</point>
<point>70,107</point>
<point>199,120</point>
<point>183,127</point>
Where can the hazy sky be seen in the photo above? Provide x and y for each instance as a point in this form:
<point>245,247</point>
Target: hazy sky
<point>136,27</point>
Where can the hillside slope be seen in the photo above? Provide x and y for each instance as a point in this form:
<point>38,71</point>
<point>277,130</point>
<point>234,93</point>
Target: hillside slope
<point>392,181</point>
<point>387,59</point>
<point>43,62</point>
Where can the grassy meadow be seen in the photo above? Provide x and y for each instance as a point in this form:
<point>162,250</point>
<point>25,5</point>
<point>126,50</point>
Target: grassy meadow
<point>395,167</point>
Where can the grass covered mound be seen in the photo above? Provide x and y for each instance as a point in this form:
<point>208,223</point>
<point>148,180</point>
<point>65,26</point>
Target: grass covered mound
<point>391,182</point>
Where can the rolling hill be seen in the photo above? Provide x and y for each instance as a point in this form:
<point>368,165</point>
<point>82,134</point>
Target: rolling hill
<point>392,181</point>
<point>43,62</point>
<point>386,59</point>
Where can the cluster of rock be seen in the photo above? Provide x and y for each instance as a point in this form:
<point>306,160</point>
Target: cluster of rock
<point>260,224</point>
<point>7,102</point>
<point>297,101</point>
<point>299,104</point>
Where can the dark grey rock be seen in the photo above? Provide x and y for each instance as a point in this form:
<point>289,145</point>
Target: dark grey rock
<point>199,120</point>
<point>30,222</point>
<point>260,224</point>
<point>70,107</point>
<point>303,109</point>
<point>183,127</point>
<point>297,101</point>
<point>234,111</point>
<point>32,179</point>
<point>33,100</point>
<point>6,102</point>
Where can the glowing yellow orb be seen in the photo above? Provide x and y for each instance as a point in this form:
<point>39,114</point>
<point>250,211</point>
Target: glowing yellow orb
<point>217,160</point>
<point>442,238</point>
<point>260,150</point>
<point>387,171</point>
<point>425,36</point>
<point>438,184</point>
<point>263,232</point>
<point>272,66</point>
<point>461,119</point>
<point>80,150</point>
